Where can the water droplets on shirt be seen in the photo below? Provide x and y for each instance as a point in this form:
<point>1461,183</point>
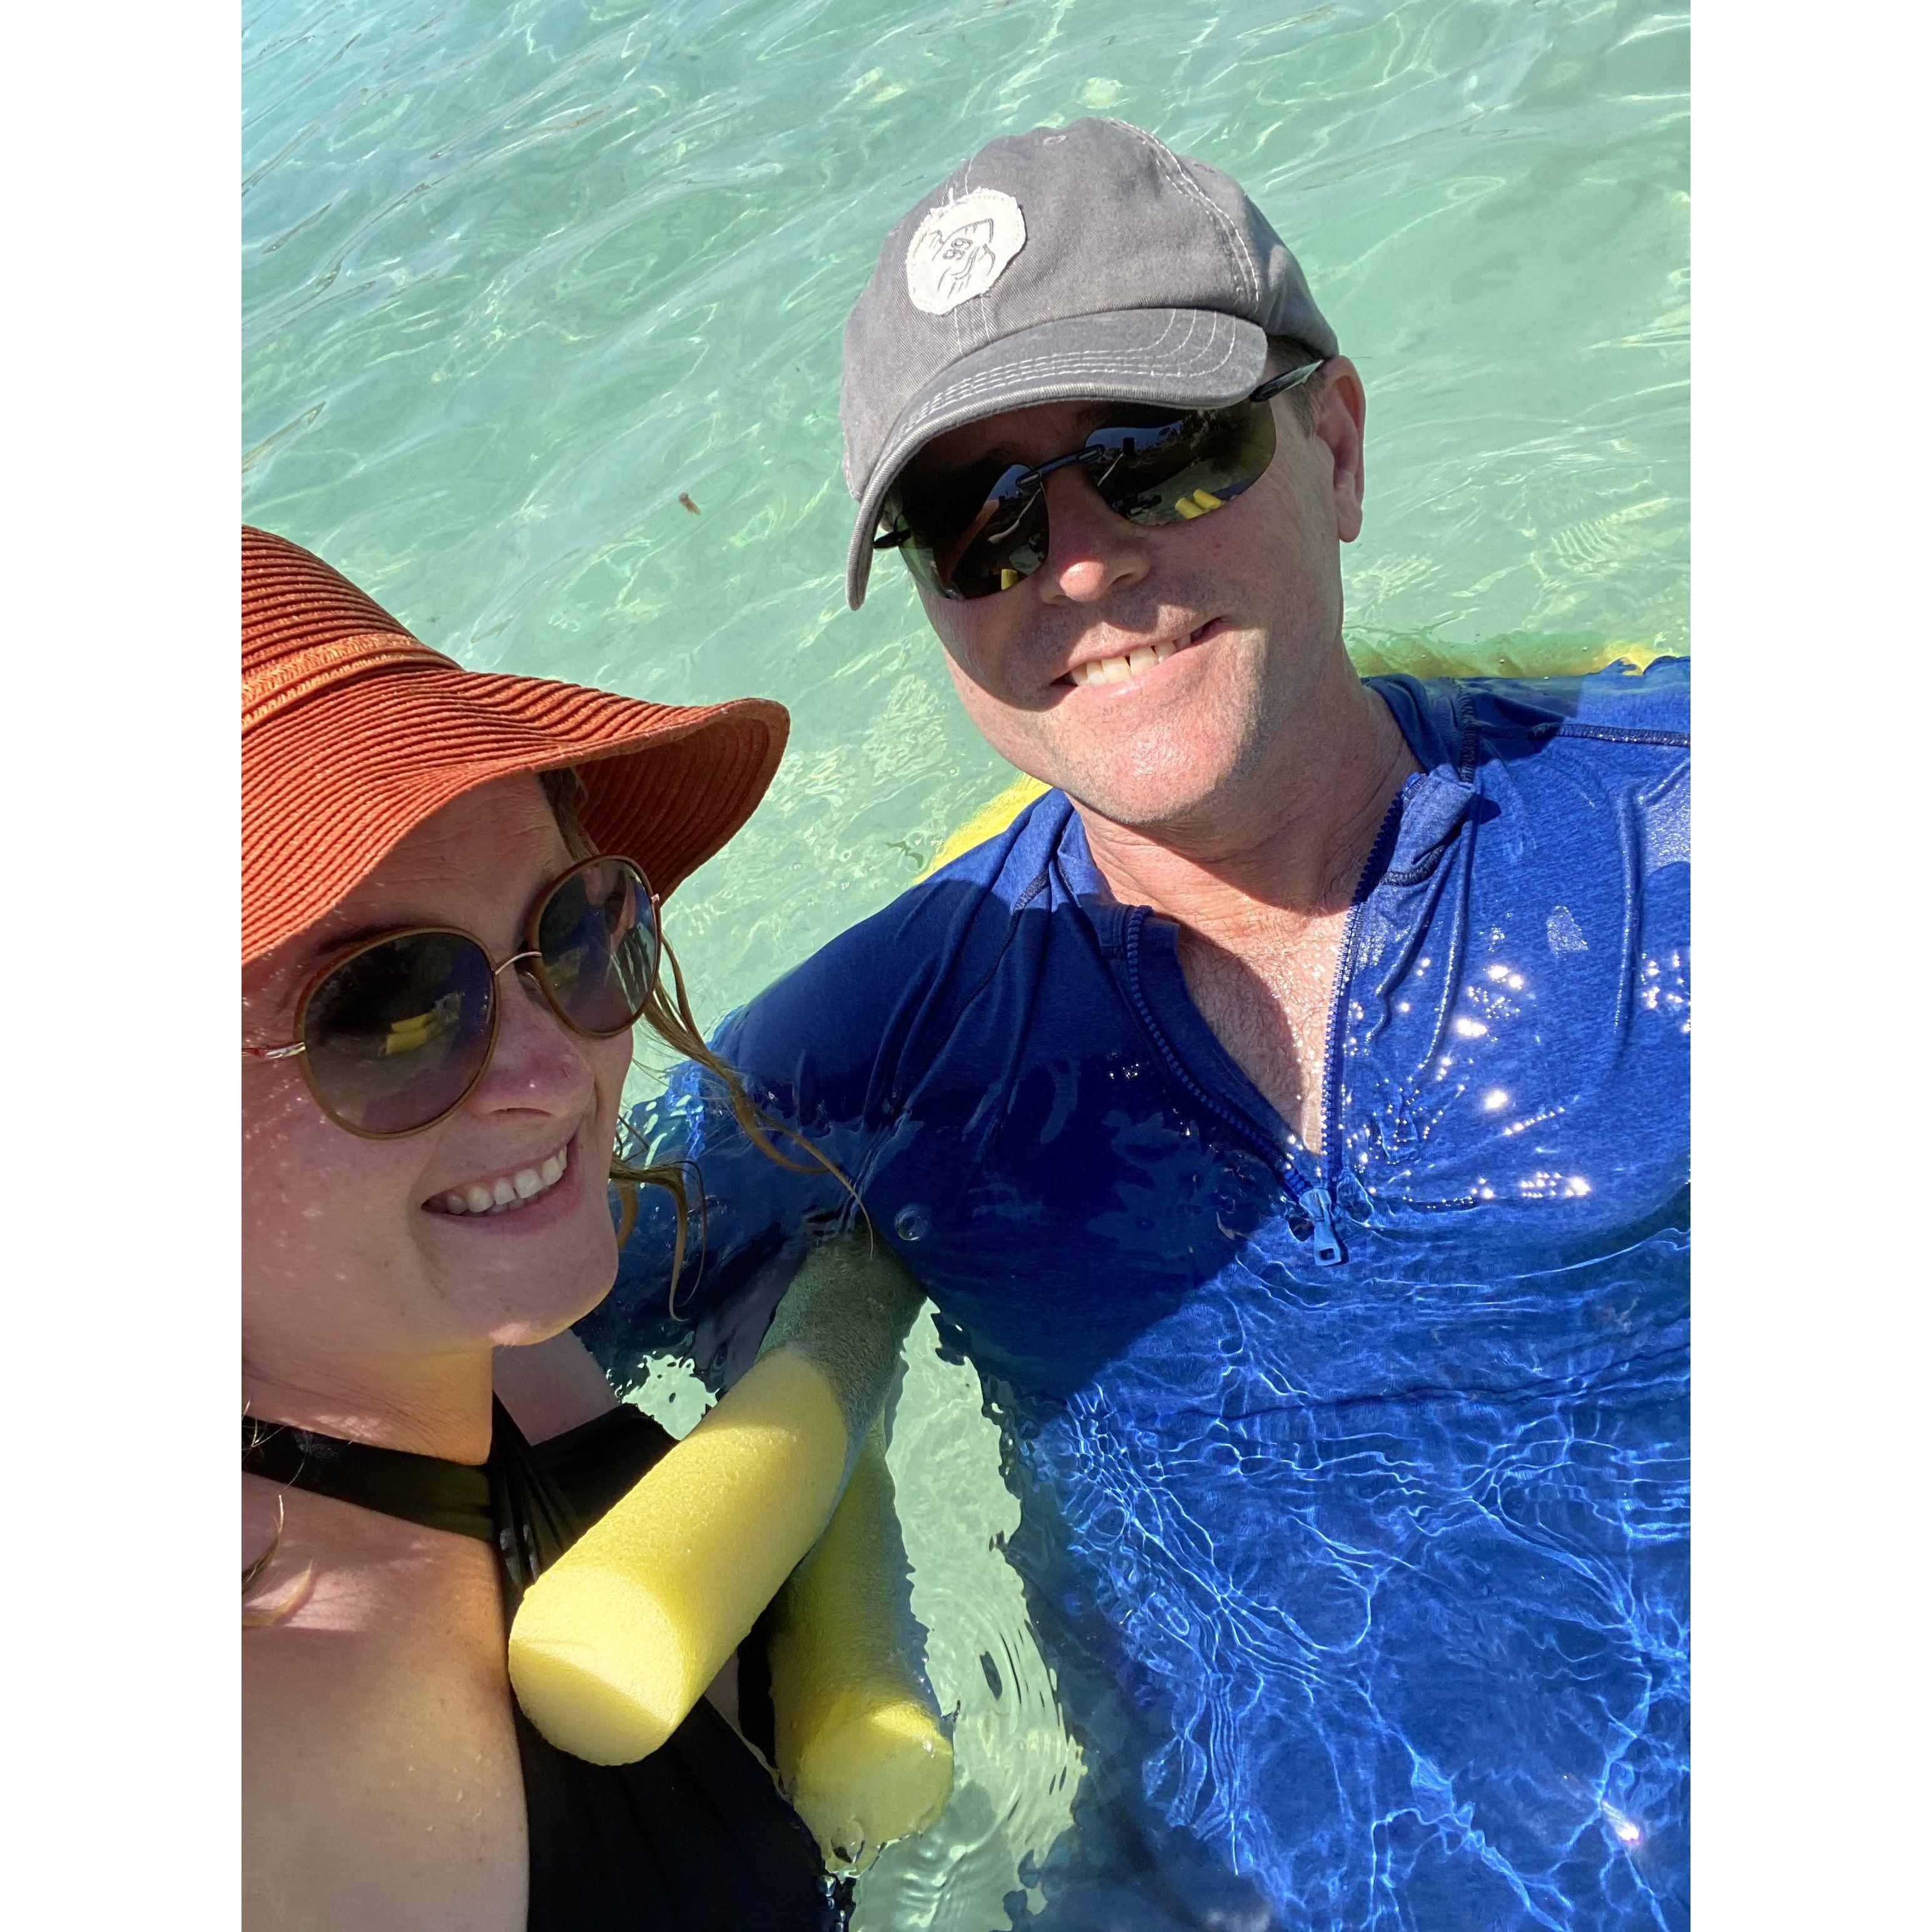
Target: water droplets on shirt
<point>1565,934</point>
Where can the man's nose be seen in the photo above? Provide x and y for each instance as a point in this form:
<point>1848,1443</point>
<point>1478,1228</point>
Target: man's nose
<point>1090,550</point>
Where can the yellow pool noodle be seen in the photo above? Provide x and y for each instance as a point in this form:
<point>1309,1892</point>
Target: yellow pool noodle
<point>614,1643</point>
<point>860,1745</point>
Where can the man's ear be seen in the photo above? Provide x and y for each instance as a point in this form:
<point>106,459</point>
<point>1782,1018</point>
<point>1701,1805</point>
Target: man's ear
<point>1344,412</point>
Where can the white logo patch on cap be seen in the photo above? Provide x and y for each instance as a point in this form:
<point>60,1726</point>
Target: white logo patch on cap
<point>962,248</point>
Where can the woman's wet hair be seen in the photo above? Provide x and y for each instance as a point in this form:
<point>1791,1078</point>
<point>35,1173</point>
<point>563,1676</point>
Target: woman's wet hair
<point>669,1015</point>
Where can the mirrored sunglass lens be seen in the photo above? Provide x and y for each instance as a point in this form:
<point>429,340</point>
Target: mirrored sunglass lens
<point>1008,525</point>
<point>1192,466</point>
<point>598,937</point>
<point>1011,545</point>
<point>397,1035</point>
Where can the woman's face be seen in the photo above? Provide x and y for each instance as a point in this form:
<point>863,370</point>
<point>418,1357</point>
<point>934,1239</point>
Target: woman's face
<point>348,1247</point>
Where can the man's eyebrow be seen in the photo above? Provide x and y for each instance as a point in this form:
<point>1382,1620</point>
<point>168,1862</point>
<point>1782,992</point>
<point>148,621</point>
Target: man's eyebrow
<point>1095,414</point>
<point>925,467</point>
<point>1087,417</point>
<point>1004,454</point>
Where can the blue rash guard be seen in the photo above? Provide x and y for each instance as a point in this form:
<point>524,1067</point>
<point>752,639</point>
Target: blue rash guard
<point>1354,1487</point>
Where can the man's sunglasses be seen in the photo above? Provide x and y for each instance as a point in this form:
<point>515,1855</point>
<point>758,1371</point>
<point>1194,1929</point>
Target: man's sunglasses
<point>979,531</point>
<point>393,1035</point>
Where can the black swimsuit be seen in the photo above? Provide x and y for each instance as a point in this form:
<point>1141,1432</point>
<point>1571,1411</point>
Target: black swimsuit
<point>694,1838</point>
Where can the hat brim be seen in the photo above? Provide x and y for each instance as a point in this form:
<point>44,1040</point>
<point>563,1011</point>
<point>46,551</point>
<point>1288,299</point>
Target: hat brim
<point>1198,357</point>
<point>331,785</point>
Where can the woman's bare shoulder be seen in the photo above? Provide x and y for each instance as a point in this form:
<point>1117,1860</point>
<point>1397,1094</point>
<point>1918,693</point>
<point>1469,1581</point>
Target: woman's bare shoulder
<point>380,1774</point>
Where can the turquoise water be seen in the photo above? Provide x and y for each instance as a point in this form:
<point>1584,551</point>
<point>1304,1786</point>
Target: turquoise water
<point>517,275</point>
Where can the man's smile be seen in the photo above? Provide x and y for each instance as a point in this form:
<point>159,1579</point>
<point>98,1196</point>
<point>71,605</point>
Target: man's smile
<point>1128,666</point>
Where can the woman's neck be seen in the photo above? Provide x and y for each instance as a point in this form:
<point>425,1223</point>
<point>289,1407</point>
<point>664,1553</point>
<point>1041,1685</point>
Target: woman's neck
<point>430,1404</point>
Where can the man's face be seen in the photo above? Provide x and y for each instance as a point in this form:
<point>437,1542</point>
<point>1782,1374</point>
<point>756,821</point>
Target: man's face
<point>1249,597</point>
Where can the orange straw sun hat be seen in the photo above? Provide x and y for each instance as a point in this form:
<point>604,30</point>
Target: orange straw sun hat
<point>353,733</point>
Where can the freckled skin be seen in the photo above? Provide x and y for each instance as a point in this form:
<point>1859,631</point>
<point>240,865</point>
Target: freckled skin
<point>351,1290</point>
<point>381,1786</point>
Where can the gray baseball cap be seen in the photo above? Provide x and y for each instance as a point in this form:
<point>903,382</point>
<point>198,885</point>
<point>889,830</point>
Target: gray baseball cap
<point>1067,264</point>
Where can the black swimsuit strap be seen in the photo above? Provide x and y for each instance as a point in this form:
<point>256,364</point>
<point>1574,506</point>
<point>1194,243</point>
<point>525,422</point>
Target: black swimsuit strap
<point>422,1489</point>
<point>693,1838</point>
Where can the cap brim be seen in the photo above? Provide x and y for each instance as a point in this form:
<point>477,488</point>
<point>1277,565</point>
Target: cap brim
<point>1199,357</point>
<point>359,767</point>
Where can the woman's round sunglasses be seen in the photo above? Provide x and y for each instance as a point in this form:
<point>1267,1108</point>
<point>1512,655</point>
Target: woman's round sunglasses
<point>394,1034</point>
<point>976,531</point>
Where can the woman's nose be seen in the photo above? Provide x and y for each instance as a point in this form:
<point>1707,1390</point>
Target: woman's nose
<point>539,1064</point>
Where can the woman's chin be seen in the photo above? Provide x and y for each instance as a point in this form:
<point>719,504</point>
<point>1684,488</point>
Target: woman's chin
<point>537,1266</point>
<point>537,1317</point>
<point>539,1289</point>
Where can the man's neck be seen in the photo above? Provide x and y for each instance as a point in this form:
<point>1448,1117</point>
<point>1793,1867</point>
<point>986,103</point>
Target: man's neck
<point>430,1404</point>
<point>1285,852</point>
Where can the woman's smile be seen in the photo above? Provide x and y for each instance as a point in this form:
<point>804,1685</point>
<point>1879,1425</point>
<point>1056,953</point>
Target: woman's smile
<point>533,1194</point>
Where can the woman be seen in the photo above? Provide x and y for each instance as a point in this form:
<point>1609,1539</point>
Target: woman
<point>438,984</point>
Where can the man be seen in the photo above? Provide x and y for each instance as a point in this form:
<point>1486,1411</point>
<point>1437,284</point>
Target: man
<point>1287,1115</point>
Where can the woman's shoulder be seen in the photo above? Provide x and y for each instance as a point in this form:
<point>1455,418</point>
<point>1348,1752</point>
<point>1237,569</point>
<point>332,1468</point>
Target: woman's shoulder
<point>376,1723</point>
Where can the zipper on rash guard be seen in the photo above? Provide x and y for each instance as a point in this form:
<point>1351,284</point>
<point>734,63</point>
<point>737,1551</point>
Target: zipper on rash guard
<point>1327,1246</point>
<point>1320,1204</point>
<point>1314,1198</point>
<point>1298,1188</point>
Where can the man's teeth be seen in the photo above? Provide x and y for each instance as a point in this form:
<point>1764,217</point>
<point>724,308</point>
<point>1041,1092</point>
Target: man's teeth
<point>1123,669</point>
<point>507,1191</point>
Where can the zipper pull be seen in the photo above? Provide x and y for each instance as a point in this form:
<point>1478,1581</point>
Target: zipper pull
<point>1321,1212</point>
